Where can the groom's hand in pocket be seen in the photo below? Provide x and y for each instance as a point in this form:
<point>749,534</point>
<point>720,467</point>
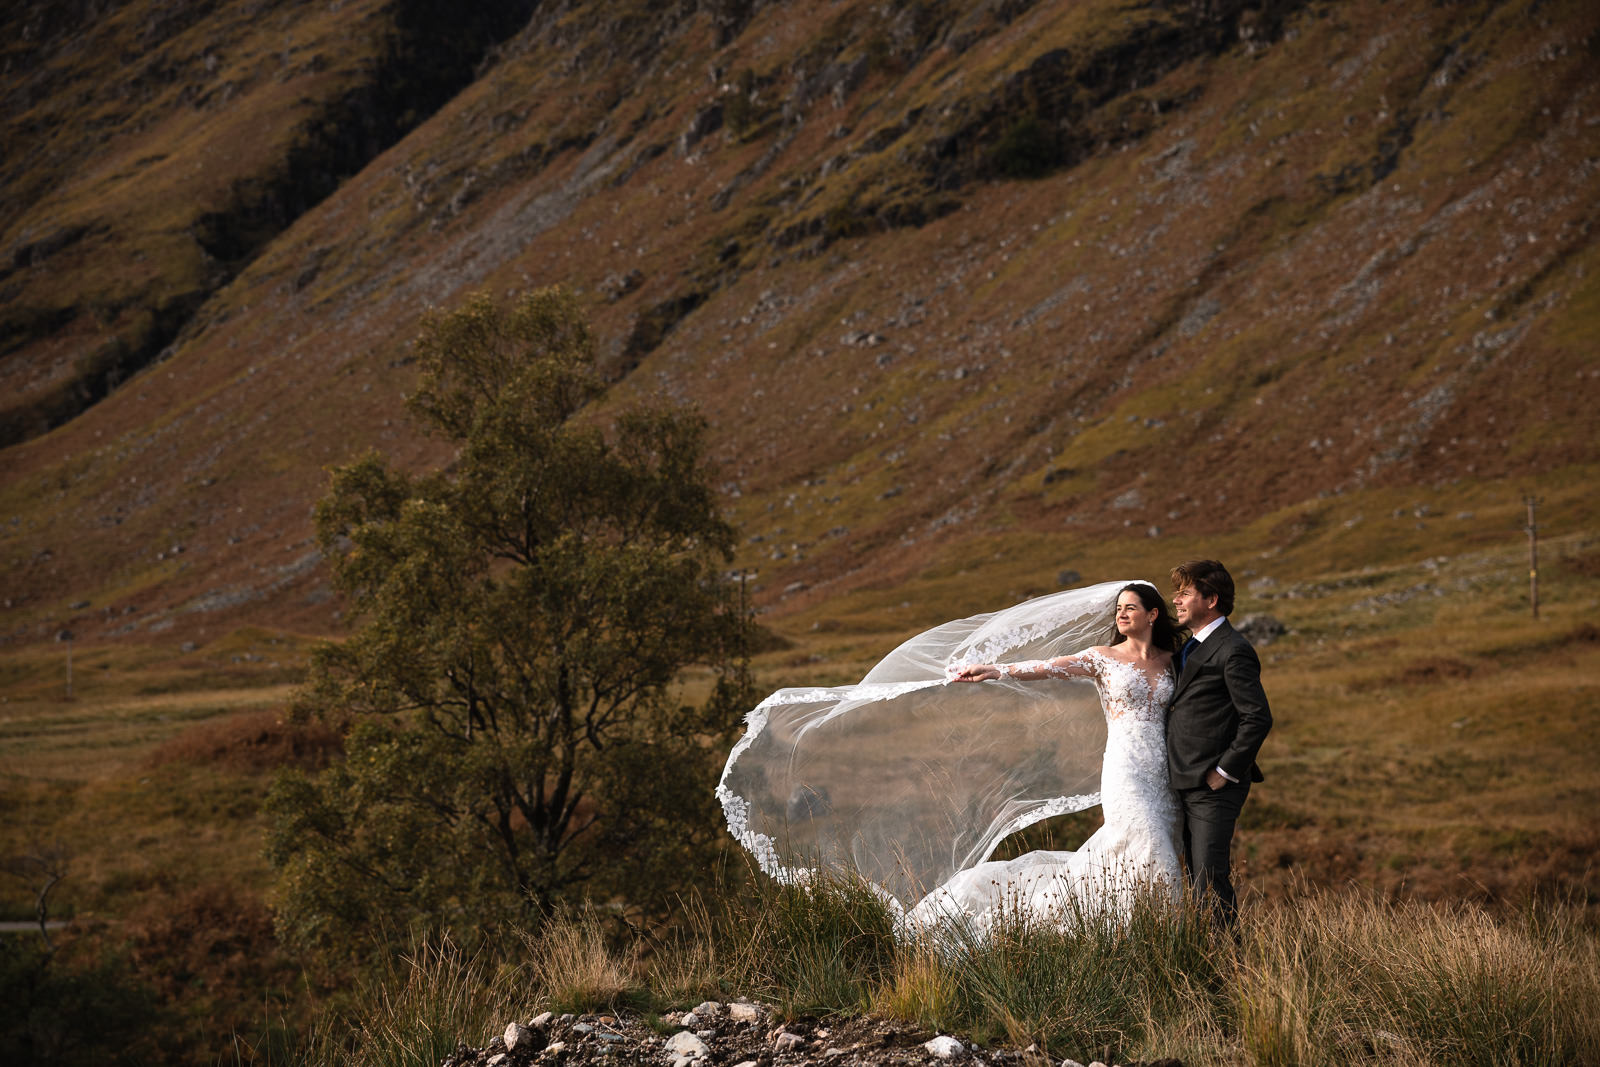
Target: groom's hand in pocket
<point>1215,780</point>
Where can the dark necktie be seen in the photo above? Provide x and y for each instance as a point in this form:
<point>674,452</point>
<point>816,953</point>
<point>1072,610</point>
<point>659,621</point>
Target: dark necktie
<point>1188,647</point>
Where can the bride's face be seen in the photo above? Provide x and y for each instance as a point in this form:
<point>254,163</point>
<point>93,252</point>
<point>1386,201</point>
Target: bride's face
<point>1133,618</point>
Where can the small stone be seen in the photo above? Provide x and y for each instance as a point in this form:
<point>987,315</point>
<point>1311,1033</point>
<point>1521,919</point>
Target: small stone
<point>1070,1063</point>
<point>687,1046</point>
<point>744,1013</point>
<point>555,1048</point>
<point>786,1041</point>
<point>1261,629</point>
<point>945,1047</point>
<point>707,1034</point>
<point>497,1059</point>
<point>542,1020</point>
<point>745,1063</point>
<point>707,1009</point>
<point>517,1034</point>
<point>1097,1063</point>
<point>581,1028</point>
<point>690,1020</point>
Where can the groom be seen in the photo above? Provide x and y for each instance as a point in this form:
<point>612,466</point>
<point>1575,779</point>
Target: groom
<point>1215,725</point>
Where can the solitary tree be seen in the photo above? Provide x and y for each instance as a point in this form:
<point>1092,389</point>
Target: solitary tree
<point>516,727</point>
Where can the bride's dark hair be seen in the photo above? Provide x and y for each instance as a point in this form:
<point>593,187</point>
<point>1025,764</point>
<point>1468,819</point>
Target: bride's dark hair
<point>1165,633</point>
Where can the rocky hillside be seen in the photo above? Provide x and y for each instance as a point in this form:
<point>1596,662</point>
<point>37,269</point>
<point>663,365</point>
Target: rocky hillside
<point>938,274</point>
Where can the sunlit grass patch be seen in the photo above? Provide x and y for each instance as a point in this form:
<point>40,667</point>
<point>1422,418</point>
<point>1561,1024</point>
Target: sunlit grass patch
<point>1345,979</point>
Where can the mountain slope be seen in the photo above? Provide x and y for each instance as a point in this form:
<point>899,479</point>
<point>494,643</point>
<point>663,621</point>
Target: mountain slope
<point>937,274</point>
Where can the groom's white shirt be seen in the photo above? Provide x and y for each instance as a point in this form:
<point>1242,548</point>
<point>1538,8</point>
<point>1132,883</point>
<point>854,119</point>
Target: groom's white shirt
<point>1200,635</point>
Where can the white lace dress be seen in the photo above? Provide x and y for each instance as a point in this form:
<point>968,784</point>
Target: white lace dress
<point>1135,852</point>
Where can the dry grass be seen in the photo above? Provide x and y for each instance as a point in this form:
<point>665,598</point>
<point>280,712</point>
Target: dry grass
<point>1346,979</point>
<point>570,961</point>
<point>1327,979</point>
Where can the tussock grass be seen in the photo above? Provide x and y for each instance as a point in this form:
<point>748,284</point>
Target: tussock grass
<point>1085,985</point>
<point>1328,978</point>
<point>820,948</point>
<point>576,969</point>
<point>1346,979</point>
<point>412,1011</point>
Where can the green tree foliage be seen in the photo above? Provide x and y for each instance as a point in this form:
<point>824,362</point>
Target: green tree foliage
<point>516,731</point>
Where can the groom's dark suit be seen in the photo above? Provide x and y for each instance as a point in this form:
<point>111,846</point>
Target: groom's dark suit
<point>1218,718</point>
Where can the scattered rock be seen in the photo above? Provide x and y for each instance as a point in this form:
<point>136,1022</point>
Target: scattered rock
<point>621,1040</point>
<point>686,1046</point>
<point>616,285</point>
<point>705,122</point>
<point>518,1036</point>
<point>1261,629</point>
<point>690,1020</point>
<point>786,1042</point>
<point>1131,498</point>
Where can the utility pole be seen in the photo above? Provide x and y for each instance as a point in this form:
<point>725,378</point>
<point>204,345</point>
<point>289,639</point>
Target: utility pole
<point>1533,554</point>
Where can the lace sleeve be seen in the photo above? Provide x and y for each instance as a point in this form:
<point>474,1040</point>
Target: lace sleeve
<point>1086,664</point>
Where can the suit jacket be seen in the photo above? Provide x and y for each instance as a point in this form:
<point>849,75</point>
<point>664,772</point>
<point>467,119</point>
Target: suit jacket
<point>1219,715</point>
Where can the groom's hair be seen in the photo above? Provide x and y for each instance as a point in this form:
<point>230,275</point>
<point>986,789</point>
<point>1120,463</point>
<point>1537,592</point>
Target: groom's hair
<point>1209,579</point>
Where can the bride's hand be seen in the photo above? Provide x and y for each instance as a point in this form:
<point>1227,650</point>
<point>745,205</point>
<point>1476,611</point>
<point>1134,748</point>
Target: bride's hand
<point>977,672</point>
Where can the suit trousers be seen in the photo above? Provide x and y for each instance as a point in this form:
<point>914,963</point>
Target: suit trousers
<point>1209,816</point>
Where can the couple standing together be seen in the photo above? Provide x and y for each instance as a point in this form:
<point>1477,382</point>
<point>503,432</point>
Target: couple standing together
<point>1185,719</point>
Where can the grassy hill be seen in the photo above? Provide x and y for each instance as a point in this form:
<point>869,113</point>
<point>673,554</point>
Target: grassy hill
<point>974,295</point>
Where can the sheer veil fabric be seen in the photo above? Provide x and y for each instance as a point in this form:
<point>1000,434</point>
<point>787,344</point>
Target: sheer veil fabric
<point>908,779</point>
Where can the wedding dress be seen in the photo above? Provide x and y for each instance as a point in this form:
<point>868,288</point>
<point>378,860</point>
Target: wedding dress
<point>1135,851</point>
<point>910,781</point>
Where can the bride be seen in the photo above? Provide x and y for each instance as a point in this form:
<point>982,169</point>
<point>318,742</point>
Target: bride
<point>911,778</point>
<point>1136,849</point>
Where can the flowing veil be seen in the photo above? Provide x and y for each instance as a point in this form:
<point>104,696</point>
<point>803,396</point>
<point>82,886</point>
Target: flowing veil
<point>906,778</point>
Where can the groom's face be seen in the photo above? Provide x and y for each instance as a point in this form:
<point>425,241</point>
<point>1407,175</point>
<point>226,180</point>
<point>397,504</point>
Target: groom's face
<point>1192,609</point>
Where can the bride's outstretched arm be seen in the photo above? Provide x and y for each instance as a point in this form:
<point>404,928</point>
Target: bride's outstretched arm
<point>1076,666</point>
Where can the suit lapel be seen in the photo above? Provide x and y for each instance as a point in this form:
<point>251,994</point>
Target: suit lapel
<point>1208,648</point>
